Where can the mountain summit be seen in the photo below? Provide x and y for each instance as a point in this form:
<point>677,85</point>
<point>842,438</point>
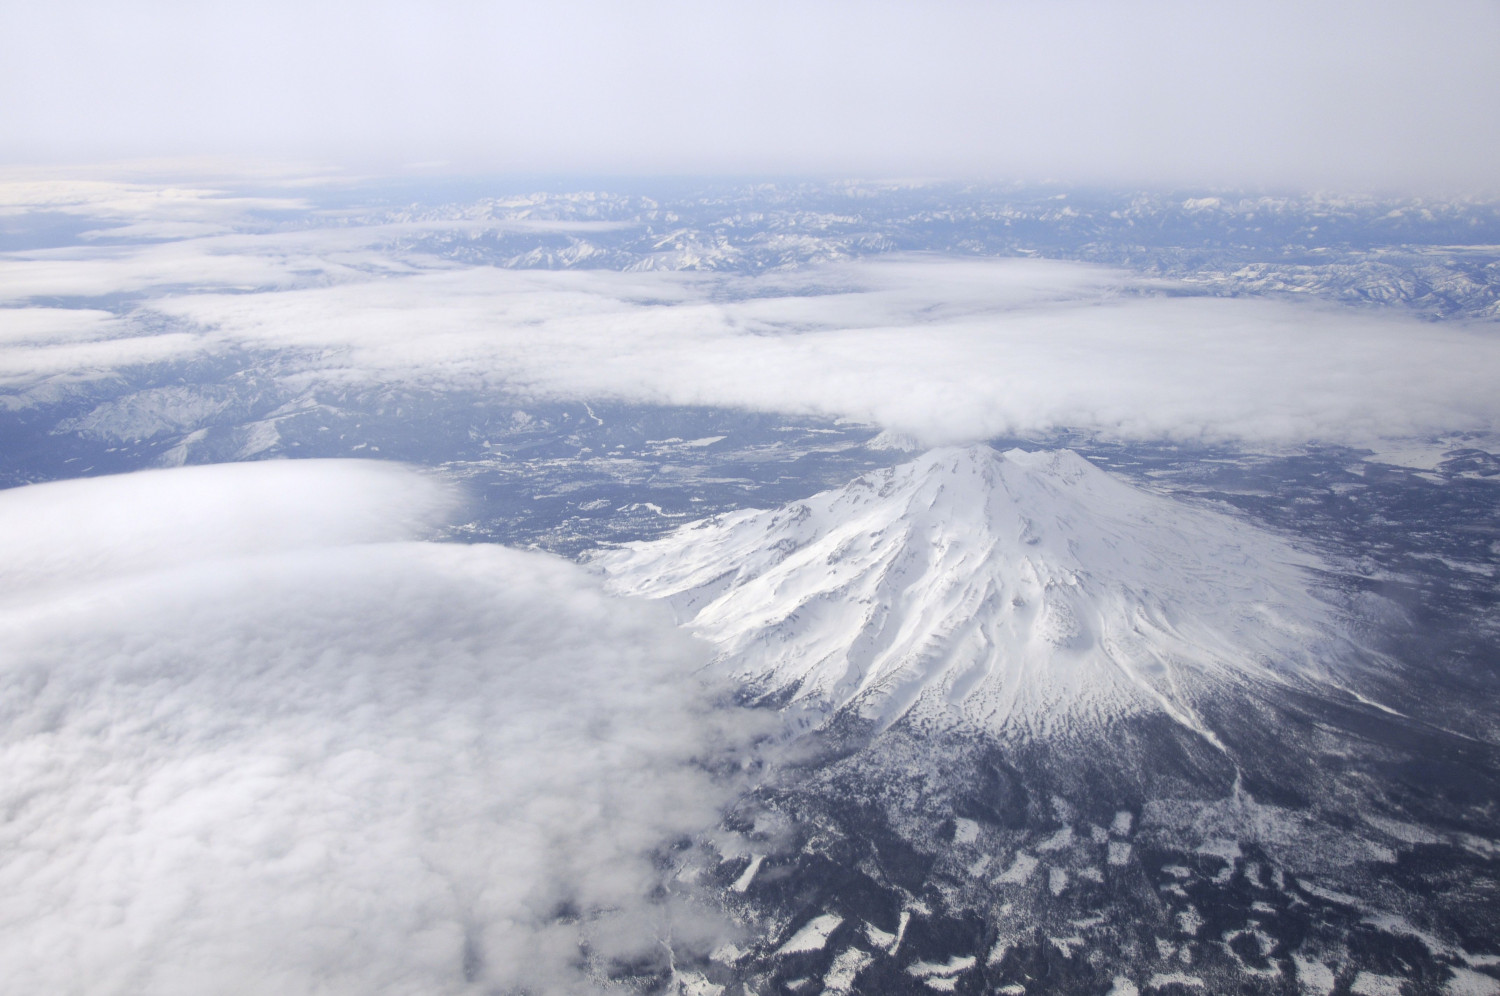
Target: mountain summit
<point>1023,592</point>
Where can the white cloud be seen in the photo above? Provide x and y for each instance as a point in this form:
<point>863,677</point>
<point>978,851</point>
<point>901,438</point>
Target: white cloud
<point>944,350</point>
<point>65,533</point>
<point>51,326</point>
<point>235,263</point>
<point>45,352</point>
<point>199,256</point>
<point>248,749</point>
<point>27,190</point>
<point>88,361</point>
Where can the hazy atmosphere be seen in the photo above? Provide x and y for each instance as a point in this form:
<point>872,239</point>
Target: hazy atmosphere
<point>750,500</point>
<point>1382,94</point>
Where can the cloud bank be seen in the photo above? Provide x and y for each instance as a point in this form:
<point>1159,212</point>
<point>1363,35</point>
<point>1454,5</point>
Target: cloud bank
<point>943,350</point>
<point>253,745</point>
<point>936,348</point>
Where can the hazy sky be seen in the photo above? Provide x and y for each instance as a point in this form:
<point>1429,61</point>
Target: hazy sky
<point>1330,94</point>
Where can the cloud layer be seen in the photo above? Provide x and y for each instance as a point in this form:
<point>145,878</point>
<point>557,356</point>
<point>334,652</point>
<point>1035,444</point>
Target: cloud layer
<point>944,350</point>
<point>332,765</point>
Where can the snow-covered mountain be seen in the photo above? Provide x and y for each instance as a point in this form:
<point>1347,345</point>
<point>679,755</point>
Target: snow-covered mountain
<point>1019,592</point>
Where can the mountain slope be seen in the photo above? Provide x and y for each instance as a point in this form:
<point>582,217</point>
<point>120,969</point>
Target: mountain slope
<point>1020,592</point>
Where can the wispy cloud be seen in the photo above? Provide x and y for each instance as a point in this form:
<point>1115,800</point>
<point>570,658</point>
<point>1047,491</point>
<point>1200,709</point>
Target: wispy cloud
<point>27,191</point>
<point>228,262</point>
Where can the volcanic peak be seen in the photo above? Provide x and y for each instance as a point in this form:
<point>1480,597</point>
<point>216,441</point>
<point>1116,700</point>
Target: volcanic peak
<point>1020,592</point>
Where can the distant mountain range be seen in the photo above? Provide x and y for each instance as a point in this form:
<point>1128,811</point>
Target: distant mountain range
<point>1440,258</point>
